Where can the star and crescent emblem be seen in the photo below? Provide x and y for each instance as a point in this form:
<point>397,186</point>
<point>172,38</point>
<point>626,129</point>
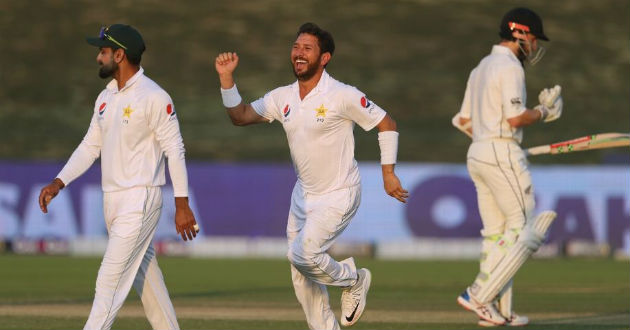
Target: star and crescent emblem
<point>321,111</point>
<point>127,112</point>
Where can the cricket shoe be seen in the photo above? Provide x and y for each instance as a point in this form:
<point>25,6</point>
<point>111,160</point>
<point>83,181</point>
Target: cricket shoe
<point>353,298</point>
<point>514,321</point>
<point>486,312</point>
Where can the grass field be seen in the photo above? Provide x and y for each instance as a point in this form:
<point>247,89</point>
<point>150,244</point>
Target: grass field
<point>42,292</point>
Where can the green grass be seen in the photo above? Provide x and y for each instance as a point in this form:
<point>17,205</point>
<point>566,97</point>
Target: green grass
<point>207,294</point>
<point>410,57</point>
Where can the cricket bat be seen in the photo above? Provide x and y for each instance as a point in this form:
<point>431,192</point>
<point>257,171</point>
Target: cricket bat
<point>589,142</point>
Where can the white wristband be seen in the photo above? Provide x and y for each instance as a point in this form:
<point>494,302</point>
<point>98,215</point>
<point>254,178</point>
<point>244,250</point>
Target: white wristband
<point>388,142</point>
<point>231,97</point>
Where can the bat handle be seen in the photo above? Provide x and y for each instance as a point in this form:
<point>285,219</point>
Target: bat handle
<point>538,150</point>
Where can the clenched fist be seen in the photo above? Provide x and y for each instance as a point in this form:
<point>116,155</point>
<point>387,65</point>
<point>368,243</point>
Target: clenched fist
<point>226,63</point>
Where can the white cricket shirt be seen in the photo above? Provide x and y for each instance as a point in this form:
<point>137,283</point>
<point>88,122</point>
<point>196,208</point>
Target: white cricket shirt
<point>132,129</point>
<point>495,92</point>
<point>319,130</point>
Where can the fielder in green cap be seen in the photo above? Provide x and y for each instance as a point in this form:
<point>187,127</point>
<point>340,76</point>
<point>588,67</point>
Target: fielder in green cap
<point>133,127</point>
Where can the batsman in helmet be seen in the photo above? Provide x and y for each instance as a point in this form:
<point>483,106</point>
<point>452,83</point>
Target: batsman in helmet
<point>493,114</point>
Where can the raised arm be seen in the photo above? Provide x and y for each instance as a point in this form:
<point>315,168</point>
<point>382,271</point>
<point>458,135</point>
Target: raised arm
<point>240,113</point>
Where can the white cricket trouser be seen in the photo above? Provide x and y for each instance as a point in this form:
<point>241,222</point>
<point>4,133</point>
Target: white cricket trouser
<point>504,185</point>
<point>505,195</point>
<point>315,222</point>
<point>131,217</point>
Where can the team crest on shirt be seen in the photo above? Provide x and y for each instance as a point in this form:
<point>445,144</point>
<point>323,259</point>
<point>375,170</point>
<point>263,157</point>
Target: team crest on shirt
<point>127,111</point>
<point>170,111</point>
<point>102,108</point>
<point>320,113</point>
<point>515,100</point>
<point>366,104</point>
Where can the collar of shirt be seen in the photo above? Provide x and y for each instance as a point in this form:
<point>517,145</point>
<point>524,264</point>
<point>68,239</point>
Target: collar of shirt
<point>321,86</point>
<point>498,49</point>
<point>113,85</point>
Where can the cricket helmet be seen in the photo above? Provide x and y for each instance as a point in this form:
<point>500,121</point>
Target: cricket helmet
<point>523,19</point>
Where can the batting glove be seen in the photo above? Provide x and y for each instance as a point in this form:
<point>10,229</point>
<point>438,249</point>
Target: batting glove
<point>551,103</point>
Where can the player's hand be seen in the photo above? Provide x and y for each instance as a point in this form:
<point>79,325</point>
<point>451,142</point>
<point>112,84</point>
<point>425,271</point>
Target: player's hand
<point>226,63</point>
<point>393,187</point>
<point>185,222</point>
<point>551,104</point>
<point>49,192</point>
<point>548,96</point>
<point>464,125</point>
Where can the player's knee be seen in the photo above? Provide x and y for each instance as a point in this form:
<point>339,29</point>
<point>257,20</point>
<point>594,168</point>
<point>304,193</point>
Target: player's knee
<point>295,256</point>
<point>292,256</point>
<point>301,257</point>
<point>300,261</point>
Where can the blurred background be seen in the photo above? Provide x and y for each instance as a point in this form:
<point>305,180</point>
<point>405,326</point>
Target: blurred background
<point>412,58</point>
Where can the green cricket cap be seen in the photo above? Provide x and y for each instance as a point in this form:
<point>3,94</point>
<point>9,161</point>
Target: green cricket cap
<point>119,36</point>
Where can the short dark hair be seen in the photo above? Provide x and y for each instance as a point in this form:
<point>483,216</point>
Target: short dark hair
<point>324,38</point>
<point>134,58</point>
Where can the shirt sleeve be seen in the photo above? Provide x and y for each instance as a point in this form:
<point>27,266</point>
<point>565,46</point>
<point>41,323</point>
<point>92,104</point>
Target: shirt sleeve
<point>162,120</point>
<point>465,110</point>
<point>358,108</point>
<point>267,106</point>
<point>513,93</point>
<point>85,154</point>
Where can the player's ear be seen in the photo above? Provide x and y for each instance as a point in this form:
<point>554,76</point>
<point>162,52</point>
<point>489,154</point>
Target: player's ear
<point>119,55</point>
<point>325,58</point>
